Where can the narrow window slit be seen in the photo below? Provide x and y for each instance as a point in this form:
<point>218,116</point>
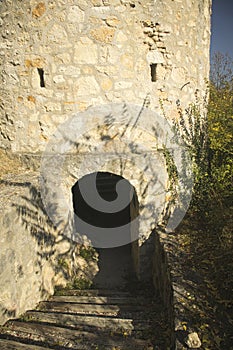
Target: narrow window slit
<point>41,75</point>
<point>153,67</point>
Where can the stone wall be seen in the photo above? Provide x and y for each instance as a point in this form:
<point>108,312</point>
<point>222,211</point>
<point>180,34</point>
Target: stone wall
<point>34,257</point>
<point>60,57</point>
<point>162,280</point>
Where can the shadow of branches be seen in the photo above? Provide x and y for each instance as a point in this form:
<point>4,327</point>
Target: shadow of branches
<point>34,218</point>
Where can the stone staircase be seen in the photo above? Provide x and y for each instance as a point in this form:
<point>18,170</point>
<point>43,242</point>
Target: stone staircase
<point>89,320</point>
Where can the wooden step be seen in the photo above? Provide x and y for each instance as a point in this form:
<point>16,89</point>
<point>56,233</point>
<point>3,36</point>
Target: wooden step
<point>72,338</point>
<point>6,344</point>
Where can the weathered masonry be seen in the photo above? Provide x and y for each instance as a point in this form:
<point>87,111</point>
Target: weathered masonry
<point>61,57</point>
<point>82,84</point>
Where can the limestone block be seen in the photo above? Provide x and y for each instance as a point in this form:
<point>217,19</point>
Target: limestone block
<point>74,71</point>
<point>83,4</point>
<point>96,101</point>
<point>87,86</point>
<point>106,84</point>
<point>160,45</point>
<point>69,107</point>
<point>52,107</point>
<point>129,95</point>
<point>96,2</point>
<point>127,74</point>
<point>123,85</point>
<point>178,75</point>
<point>75,15</point>
<point>34,117</point>
<point>85,51</point>
<point>103,34</point>
<point>154,56</point>
<point>112,21</point>
<point>109,70</point>
<point>35,79</point>
<point>109,54</point>
<point>113,96</point>
<point>62,58</point>
<point>56,34</point>
<point>44,92</point>
<point>39,10</point>
<point>95,20</point>
<point>59,95</point>
<point>33,61</point>
<point>141,66</point>
<point>121,37</point>
<point>161,72</point>
<point>62,247</point>
<point>58,79</point>
<point>127,61</point>
<point>88,70</point>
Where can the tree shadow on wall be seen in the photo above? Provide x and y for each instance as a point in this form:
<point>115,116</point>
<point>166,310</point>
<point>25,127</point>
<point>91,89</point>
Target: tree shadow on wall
<point>34,218</point>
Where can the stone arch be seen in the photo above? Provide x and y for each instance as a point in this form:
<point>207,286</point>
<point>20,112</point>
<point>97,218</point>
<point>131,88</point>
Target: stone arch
<point>126,140</point>
<point>122,139</point>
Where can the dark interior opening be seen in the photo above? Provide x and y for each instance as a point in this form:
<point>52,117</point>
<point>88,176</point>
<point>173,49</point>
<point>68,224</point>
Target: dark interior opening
<point>153,67</point>
<point>116,263</point>
<point>41,75</point>
<point>106,187</point>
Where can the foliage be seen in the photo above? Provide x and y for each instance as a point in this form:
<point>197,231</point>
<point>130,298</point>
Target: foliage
<point>79,283</point>
<point>221,72</point>
<point>172,173</point>
<point>220,114</point>
<point>192,127</point>
<point>206,127</point>
<point>63,264</point>
<point>88,253</point>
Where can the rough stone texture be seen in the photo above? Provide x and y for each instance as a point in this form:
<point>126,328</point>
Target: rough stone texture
<point>193,341</point>
<point>34,255</point>
<point>109,46</point>
<point>161,276</point>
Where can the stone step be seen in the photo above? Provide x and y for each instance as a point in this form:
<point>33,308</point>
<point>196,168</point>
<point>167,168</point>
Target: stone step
<point>93,309</point>
<point>88,321</point>
<point>6,344</point>
<point>101,300</point>
<point>93,292</point>
<point>72,338</point>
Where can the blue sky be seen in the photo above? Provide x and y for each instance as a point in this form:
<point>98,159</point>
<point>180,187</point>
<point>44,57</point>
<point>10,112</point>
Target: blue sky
<point>222,27</point>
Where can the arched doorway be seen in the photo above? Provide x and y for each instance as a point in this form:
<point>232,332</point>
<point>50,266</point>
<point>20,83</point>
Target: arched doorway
<point>115,233</point>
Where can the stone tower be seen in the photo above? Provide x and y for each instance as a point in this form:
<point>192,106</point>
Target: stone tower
<point>82,83</point>
<point>59,57</point>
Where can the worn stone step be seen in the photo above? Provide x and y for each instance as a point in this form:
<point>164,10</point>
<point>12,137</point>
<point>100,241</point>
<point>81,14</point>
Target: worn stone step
<point>88,321</point>
<point>93,292</point>
<point>94,309</point>
<point>6,344</point>
<point>101,300</point>
<point>72,338</point>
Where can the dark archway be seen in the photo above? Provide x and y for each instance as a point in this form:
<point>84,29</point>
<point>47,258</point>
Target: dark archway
<point>117,264</point>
